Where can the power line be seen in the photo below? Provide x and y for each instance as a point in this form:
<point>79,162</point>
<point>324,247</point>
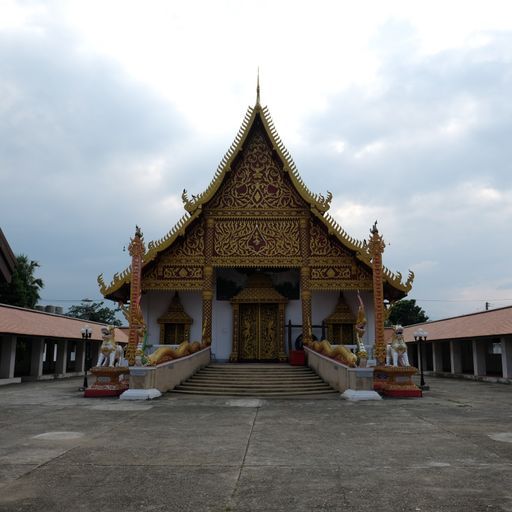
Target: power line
<point>463,300</point>
<point>71,300</point>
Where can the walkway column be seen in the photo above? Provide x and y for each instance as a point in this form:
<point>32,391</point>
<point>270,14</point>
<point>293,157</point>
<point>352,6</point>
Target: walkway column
<point>7,356</point>
<point>506,356</point>
<point>62,357</point>
<point>479,364</point>
<point>455,357</point>
<point>80,356</point>
<point>437,356</point>
<point>376,247</point>
<point>208,283</point>
<point>36,361</point>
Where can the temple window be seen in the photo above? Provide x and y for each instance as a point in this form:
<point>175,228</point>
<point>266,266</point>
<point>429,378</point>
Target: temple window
<point>175,324</point>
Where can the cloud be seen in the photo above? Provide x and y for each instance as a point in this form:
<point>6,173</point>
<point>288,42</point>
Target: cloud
<point>426,152</point>
<point>85,153</point>
<point>405,115</point>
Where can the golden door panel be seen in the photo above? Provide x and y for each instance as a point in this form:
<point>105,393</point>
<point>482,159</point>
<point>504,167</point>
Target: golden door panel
<point>259,338</point>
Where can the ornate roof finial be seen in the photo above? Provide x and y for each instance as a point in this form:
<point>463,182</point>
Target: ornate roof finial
<point>258,89</point>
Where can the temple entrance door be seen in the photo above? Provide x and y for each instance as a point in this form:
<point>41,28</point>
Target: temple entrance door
<point>259,339</point>
<point>258,321</point>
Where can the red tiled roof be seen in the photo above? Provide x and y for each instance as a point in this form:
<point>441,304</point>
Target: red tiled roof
<point>29,322</point>
<point>496,322</point>
<point>388,334</point>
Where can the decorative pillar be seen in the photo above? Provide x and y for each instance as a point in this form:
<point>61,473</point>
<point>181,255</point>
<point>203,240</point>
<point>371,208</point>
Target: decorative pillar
<point>208,283</point>
<point>236,334</point>
<point>136,250</point>
<point>376,247</point>
<point>282,343</point>
<point>207,305</point>
<point>8,356</point>
<point>305,291</point>
<point>479,363</point>
<point>506,357</point>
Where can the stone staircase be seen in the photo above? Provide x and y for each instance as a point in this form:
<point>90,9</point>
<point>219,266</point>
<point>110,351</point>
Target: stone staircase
<point>256,380</point>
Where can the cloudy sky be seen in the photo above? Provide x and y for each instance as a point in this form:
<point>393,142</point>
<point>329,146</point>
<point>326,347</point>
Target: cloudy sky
<point>108,109</point>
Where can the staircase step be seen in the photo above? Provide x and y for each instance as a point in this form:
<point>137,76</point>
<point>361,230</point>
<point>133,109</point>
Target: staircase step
<point>254,385</point>
<point>281,394</point>
<point>245,378</point>
<point>276,380</point>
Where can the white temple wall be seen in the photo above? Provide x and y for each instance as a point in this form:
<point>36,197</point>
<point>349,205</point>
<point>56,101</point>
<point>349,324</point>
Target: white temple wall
<point>155,303</point>
<point>293,312</point>
<point>222,329</point>
<point>323,304</point>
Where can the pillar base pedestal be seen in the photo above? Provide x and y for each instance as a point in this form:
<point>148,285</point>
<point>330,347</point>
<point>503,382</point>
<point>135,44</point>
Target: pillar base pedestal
<point>396,381</point>
<point>109,381</point>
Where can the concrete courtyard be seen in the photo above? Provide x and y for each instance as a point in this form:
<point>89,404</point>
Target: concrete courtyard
<point>450,451</point>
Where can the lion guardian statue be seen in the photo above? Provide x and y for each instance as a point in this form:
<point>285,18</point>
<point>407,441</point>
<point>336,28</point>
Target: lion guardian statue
<point>397,349</point>
<point>111,354</point>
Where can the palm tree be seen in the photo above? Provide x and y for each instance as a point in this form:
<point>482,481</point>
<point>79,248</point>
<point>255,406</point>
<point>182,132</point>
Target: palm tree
<point>23,290</point>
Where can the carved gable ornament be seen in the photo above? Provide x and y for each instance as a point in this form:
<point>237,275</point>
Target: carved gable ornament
<point>256,181</point>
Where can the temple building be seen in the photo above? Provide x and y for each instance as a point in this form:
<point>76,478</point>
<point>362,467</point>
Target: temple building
<point>256,265</point>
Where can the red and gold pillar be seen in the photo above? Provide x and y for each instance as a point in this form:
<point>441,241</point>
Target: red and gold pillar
<point>376,247</point>
<point>136,250</point>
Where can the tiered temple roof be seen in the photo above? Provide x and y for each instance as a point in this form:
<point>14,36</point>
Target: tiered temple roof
<point>318,203</point>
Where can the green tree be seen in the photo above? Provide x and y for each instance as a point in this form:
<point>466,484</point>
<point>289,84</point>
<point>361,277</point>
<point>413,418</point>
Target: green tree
<point>23,290</point>
<point>406,312</point>
<point>95,312</point>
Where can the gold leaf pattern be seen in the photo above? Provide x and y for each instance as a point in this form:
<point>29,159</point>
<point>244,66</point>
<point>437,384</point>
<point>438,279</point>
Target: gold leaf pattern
<point>257,182</point>
<point>257,238</point>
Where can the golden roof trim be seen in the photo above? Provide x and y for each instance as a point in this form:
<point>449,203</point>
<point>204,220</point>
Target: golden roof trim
<point>154,247</point>
<point>363,254</point>
<point>317,201</point>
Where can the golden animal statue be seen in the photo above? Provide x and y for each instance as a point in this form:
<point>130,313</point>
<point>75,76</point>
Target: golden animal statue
<point>164,354</point>
<point>337,352</point>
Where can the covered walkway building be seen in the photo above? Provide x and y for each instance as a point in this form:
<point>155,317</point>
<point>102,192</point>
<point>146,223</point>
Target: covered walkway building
<point>478,345</point>
<point>36,345</point>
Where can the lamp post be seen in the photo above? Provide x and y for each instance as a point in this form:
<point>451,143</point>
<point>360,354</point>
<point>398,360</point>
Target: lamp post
<point>86,334</point>
<point>420,336</point>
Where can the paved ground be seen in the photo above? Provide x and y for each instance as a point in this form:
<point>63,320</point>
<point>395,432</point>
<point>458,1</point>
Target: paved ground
<point>450,451</point>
